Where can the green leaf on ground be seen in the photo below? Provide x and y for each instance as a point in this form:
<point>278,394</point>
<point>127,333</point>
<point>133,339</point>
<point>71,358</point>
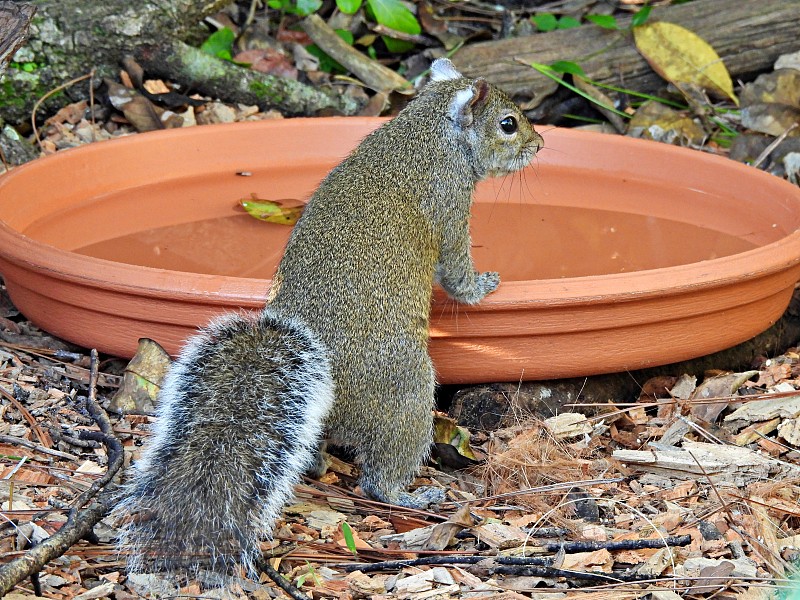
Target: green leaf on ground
<point>565,66</point>
<point>640,18</point>
<point>604,21</point>
<point>568,23</point>
<point>349,540</point>
<point>394,15</point>
<point>549,22</point>
<point>349,7</point>
<point>545,21</point>
<point>220,44</point>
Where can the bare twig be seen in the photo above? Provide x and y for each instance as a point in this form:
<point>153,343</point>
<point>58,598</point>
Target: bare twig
<point>371,72</point>
<point>774,144</point>
<point>281,581</point>
<point>44,439</point>
<point>569,547</point>
<point>105,435</point>
<point>79,522</point>
<point>55,90</point>
<point>18,441</point>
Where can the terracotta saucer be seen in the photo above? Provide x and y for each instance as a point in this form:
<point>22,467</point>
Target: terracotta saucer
<point>614,253</point>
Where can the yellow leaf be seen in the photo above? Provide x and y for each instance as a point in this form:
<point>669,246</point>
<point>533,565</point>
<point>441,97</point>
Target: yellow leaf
<point>283,212</point>
<point>683,57</point>
<point>445,431</point>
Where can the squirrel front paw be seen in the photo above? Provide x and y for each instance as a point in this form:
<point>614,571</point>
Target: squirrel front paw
<point>470,288</point>
<point>485,283</point>
<point>488,282</point>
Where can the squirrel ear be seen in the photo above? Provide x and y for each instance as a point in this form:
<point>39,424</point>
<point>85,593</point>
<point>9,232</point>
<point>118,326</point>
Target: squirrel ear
<point>481,88</point>
<point>442,69</point>
<point>466,101</point>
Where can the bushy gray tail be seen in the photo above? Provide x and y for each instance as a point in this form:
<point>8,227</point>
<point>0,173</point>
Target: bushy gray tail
<point>239,419</point>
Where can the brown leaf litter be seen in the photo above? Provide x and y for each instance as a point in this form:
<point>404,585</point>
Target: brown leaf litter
<point>692,490</point>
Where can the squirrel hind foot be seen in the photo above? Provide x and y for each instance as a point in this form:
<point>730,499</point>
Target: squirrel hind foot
<point>420,498</point>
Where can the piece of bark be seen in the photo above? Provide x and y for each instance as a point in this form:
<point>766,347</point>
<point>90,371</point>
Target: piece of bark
<point>15,21</point>
<point>748,36</point>
<point>783,406</point>
<point>718,462</point>
<point>489,407</point>
<point>371,72</point>
<point>14,149</point>
<point>211,76</point>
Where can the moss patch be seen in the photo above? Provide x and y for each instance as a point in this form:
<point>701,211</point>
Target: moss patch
<point>264,92</point>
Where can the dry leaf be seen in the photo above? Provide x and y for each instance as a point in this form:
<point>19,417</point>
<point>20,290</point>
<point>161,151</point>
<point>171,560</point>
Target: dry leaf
<point>723,387</point>
<point>139,111</point>
<point>661,123</point>
<point>447,433</point>
<point>443,534</point>
<point>268,60</point>
<point>431,24</point>
<point>682,57</point>
<point>142,379</point>
<point>71,113</point>
<point>597,561</point>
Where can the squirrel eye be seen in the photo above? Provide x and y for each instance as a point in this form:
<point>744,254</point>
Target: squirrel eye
<point>508,124</point>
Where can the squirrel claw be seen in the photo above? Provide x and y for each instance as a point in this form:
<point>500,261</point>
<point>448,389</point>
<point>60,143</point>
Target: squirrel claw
<point>488,281</point>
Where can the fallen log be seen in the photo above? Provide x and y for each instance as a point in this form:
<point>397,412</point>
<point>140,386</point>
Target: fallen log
<point>69,38</point>
<point>15,21</point>
<point>748,36</point>
<point>217,78</point>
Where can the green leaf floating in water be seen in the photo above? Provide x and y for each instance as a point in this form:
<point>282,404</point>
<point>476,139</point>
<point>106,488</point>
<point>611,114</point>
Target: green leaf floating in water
<point>283,212</point>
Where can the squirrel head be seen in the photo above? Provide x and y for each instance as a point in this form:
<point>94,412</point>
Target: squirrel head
<point>498,137</point>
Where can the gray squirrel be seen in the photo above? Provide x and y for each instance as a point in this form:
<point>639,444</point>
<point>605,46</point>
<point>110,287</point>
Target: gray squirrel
<point>341,345</point>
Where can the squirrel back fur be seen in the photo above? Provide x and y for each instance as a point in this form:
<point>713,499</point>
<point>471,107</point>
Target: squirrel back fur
<point>342,342</point>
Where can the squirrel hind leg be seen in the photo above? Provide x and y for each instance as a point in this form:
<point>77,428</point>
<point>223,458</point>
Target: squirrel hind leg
<point>392,459</point>
<point>386,484</point>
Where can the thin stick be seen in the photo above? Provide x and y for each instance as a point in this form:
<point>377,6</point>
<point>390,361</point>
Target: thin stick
<point>91,103</point>
<point>105,435</point>
<point>768,150</point>
<point>18,441</point>
<point>542,561</point>
<point>39,102</point>
<point>40,433</point>
<point>281,581</point>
